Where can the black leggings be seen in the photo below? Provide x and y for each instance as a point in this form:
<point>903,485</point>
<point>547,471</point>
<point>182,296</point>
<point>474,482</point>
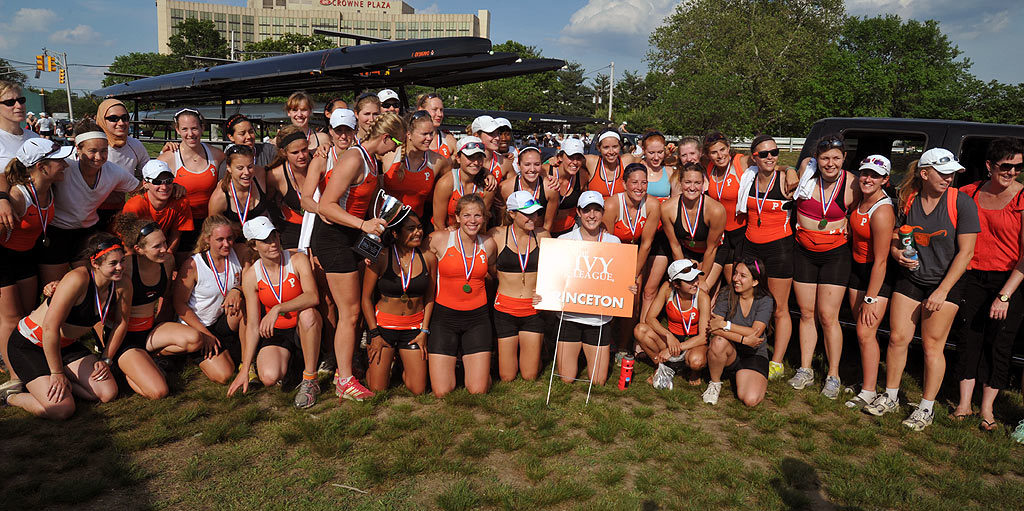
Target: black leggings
<point>986,344</point>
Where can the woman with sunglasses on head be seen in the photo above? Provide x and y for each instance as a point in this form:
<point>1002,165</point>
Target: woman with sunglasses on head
<point>461,322</point>
<point>346,201</point>
<point>766,192</point>
<point>209,299</point>
<point>571,175</point>
<point>239,130</point>
<point>822,259</point>
<point>45,350</point>
<point>403,277</point>
<point>157,203</point>
<point>519,326</point>
<point>469,179</point>
<point>991,303</point>
<point>415,167</point>
<point>739,330</point>
<point>280,307</point>
<point>242,195</point>
<point>443,143</point>
<point>367,112</point>
<point>942,226</point>
<point>870,286</point>
<point>530,178</point>
<point>286,176</point>
<point>37,165</point>
<point>687,311</point>
<point>195,168</point>
<point>299,108</point>
<point>691,219</point>
<point>724,169</point>
<point>605,169</point>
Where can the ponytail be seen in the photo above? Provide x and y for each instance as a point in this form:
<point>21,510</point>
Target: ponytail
<point>910,186</point>
<point>16,172</point>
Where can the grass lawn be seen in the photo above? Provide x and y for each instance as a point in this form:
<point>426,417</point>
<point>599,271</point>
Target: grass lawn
<point>638,449</point>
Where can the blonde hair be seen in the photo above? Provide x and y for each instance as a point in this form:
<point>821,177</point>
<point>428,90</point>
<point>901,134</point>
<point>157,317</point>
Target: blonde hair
<point>389,123</point>
<point>6,85</point>
<point>212,222</point>
<point>911,185</point>
<point>296,100</point>
<point>422,99</point>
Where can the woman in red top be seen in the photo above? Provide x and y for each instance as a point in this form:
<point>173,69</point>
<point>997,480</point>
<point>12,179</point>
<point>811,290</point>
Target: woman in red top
<point>605,169</point>
<point>570,171</point>
<point>724,168</point>
<point>694,222</point>
<point>821,261</point>
<point>687,309</point>
<point>531,179</point>
<point>633,216</point>
<point>37,165</point>
<point>469,179</point>
<point>299,108</point>
<point>287,176</point>
<point>991,303</point>
<point>461,320</point>
<point>158,203</point>
<point>443,142</point>
<point>344,211</point>
<point>242,196</point>
<point>415,168</point>
<point>769,236</point>
<point>280,306</point>
<point>367,112</point>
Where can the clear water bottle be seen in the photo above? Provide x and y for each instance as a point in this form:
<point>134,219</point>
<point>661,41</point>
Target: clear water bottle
<point>906,236</point>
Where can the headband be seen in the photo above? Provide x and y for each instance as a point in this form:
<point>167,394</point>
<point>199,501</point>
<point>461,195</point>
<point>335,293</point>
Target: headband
<point>89,135</point>
<point>757,266</point>
<point>298,135</point>
<point>609,134</point>
<point>101,253</point>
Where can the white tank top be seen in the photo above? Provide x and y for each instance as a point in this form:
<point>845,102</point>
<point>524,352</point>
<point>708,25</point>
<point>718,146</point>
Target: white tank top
<point>206,299</point>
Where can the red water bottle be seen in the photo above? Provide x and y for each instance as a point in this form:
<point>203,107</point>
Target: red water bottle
<point>626,374</point>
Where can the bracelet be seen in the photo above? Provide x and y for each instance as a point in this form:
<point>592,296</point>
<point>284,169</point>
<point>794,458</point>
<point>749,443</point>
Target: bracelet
<point>5,196</point>
<point>424,330</point>
<point>55,373</point>
<point>106,360</point>
<point>742,340</point>
<point>374,332</point>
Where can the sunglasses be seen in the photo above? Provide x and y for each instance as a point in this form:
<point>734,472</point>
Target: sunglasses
<point>770,152</point>
<point>432,95</point>
<point>830,143</point>
<point>472,145</point>
<point>239,149</point>
<point>396,141</point>
<point>148,229</point>
<point>1011,167</point>
<point>113,119</point>
<point>874,161</point>
<point>366,95</point>
<point>10,102</point>
<point>160,181</point>
<point>528,204</point>
<point>940,161</point>
<point>390,104</point>
<point>651,134</point>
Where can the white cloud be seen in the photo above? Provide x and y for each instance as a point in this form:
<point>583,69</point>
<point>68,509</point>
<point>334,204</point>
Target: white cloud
<point>31,20</point>
<point>79,35</point>
<point>616,26</point>
<point>430,9</point>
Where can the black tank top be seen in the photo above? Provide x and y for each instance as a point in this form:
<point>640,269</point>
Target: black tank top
<point>143,294</point>
<point>259,210</point>
<point>542,197</point>
<point>684,235</point>
<point>85,313</point>
<point>508,259</point>
<point>291,197</point>
<point>390,282</point>
<point>569,201</point>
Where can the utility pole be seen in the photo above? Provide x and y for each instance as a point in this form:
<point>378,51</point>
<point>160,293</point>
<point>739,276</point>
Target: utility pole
<point>65,77</point>
<point>611,89</point>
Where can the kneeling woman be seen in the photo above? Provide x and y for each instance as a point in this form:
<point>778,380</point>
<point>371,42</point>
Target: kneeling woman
<point>45,351</point>
<point>739,328</point>
<point>686,335</point>
<point>280,306</point>
<point>404,277</point>
<point>461,321</point>
<point>520,327</point>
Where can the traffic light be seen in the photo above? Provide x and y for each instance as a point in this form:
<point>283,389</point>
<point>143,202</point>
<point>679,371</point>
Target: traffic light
<point>62,77</point>
<point>40,65</point>
<point>51,63</point>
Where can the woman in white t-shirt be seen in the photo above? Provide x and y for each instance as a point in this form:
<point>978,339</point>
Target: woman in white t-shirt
<point>12,135</point>
<point>113,118</point>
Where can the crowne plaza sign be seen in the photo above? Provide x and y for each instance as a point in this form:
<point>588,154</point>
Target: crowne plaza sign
<point>363,4</point>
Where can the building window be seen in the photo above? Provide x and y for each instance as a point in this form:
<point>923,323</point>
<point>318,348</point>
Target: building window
<point>248,20</point>
<point>234,18</point>
<point>191,14</point>
<point>177,14</point>
<point>282,3</point>
<point>438,26</point>
<point>268,4</point>
<point>399,34</point>
<point>206,16</point>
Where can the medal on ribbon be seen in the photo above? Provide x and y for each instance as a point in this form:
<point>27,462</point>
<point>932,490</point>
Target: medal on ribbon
<point>832,197</point>
<point>242,213</point>
<point>405,277</point>
<point>691,227</point>
<point>469,268</point>
<point>757,195</point>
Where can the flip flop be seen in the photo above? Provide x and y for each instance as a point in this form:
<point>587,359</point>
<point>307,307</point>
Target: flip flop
<point>959,417</point>
<point>989,425</point>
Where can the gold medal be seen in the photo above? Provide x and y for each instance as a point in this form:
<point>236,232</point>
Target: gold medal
<point>822,223</point>
<point>404,298</point>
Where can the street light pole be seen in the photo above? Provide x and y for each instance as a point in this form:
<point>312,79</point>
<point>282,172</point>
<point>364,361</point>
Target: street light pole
<point>611,89</point>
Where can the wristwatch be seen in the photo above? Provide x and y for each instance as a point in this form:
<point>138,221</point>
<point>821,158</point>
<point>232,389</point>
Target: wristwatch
<point>728,326</point>
<point>870,300</point>
<point>1004,298</point>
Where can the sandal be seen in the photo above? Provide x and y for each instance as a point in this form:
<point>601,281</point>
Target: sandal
<point>959,417</point>
<point>989,425</point>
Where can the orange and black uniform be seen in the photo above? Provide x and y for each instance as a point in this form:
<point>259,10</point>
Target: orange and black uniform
<point>398,331</point>
<point>274,289</point>
<point>726,190</point>
<point>461,320</point>
<point>863,252</point>
<point>683,322</point>
<point>20,247</point>
<point>604,184</point>
<point>176,216</point>
<point>199,187</point>
<point>332,243</point>
<point>514,315</point>
<point>413,186</point>
<point>694,244</point>
<point>139,328</point>
<point>769,236</point>
<point>823,257</point>
<point>288,216</point>
<point>565,220</point>
<point>629,229</point>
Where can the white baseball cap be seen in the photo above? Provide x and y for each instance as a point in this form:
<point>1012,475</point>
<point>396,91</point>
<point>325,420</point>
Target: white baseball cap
<point>343,117</point>
<point>503,122</point>
<point>29,113</point>
<point>941,160</point>
<point>571,146</point>
<point>35,150</point>
<point>523,202</point>
<point>470,146</point>
<point>387,94</point>
<point>484,123</point>
<point>684,269</point>
<point>153,168</point>
<point>590,197</point>
<point>258,228</point>
<point>876,163</point>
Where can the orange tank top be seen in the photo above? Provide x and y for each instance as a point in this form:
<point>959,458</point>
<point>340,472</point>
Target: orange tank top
<point>495,167</point>
<point>628,227</point>
<point>356,200</point>
<point>727,192</point>
<point>413,186</point>
<point>442,147</point>
<point>682,321</point>
<point>604,184</point>
<point>452,271</point>
<point>31,225</point>
<point>767,221</point>
<point>457,192</point>
<point>199,186</point>
<point>860,229</point>
<point>278,288</point>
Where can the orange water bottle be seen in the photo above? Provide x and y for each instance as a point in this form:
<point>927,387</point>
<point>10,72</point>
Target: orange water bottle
<point>626,374</point>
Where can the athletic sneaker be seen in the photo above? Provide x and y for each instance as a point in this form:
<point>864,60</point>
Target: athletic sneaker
<point>350,388</point>
<point>711,394</point>
<point>1018,433</point>
<point>856,402</point>
<point>325,369</point>
<point>919,419</point>
<point>832,387</point>
<point>882,405</point>
<point>10,391</point>
<point>776,370</point>
<point>12,384</point>
<point>306,397</point>
<point>802,378</point>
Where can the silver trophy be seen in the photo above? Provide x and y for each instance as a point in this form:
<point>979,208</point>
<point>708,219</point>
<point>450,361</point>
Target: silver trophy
<point>389,209</point>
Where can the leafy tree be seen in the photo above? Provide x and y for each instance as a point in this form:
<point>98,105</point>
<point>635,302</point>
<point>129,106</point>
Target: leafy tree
<point>10,74</point>
<point>56,101</point>
<point>149,64</point>
<point>199,38</point>
<point>599,95</point>
<point>288,43</point>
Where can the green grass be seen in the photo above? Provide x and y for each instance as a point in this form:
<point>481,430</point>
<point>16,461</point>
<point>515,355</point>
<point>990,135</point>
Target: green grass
<point>638,449</point>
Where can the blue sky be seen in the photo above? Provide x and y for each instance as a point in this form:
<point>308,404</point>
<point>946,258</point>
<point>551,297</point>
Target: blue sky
<point>95,31</point>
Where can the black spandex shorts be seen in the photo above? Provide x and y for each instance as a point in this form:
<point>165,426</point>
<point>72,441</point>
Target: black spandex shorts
<point>587,334</point>
<point>17,266</point>
<point>508,325</point>
<point>660,246</point>
<point>289,234</point>
<point>860,277</point>
<point>748,358</point>
<point>454,332</point>
<point>65,244</point>
<point>732,247</point>
<point>828,267</point>
<point>29,361</point>
<point>287,338</point>
<point>228,338</point>
<point>400,339</point>
<point>133,340</point>
<point>777,256</point>
<point>921,292</point>
<point>332,245</point>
